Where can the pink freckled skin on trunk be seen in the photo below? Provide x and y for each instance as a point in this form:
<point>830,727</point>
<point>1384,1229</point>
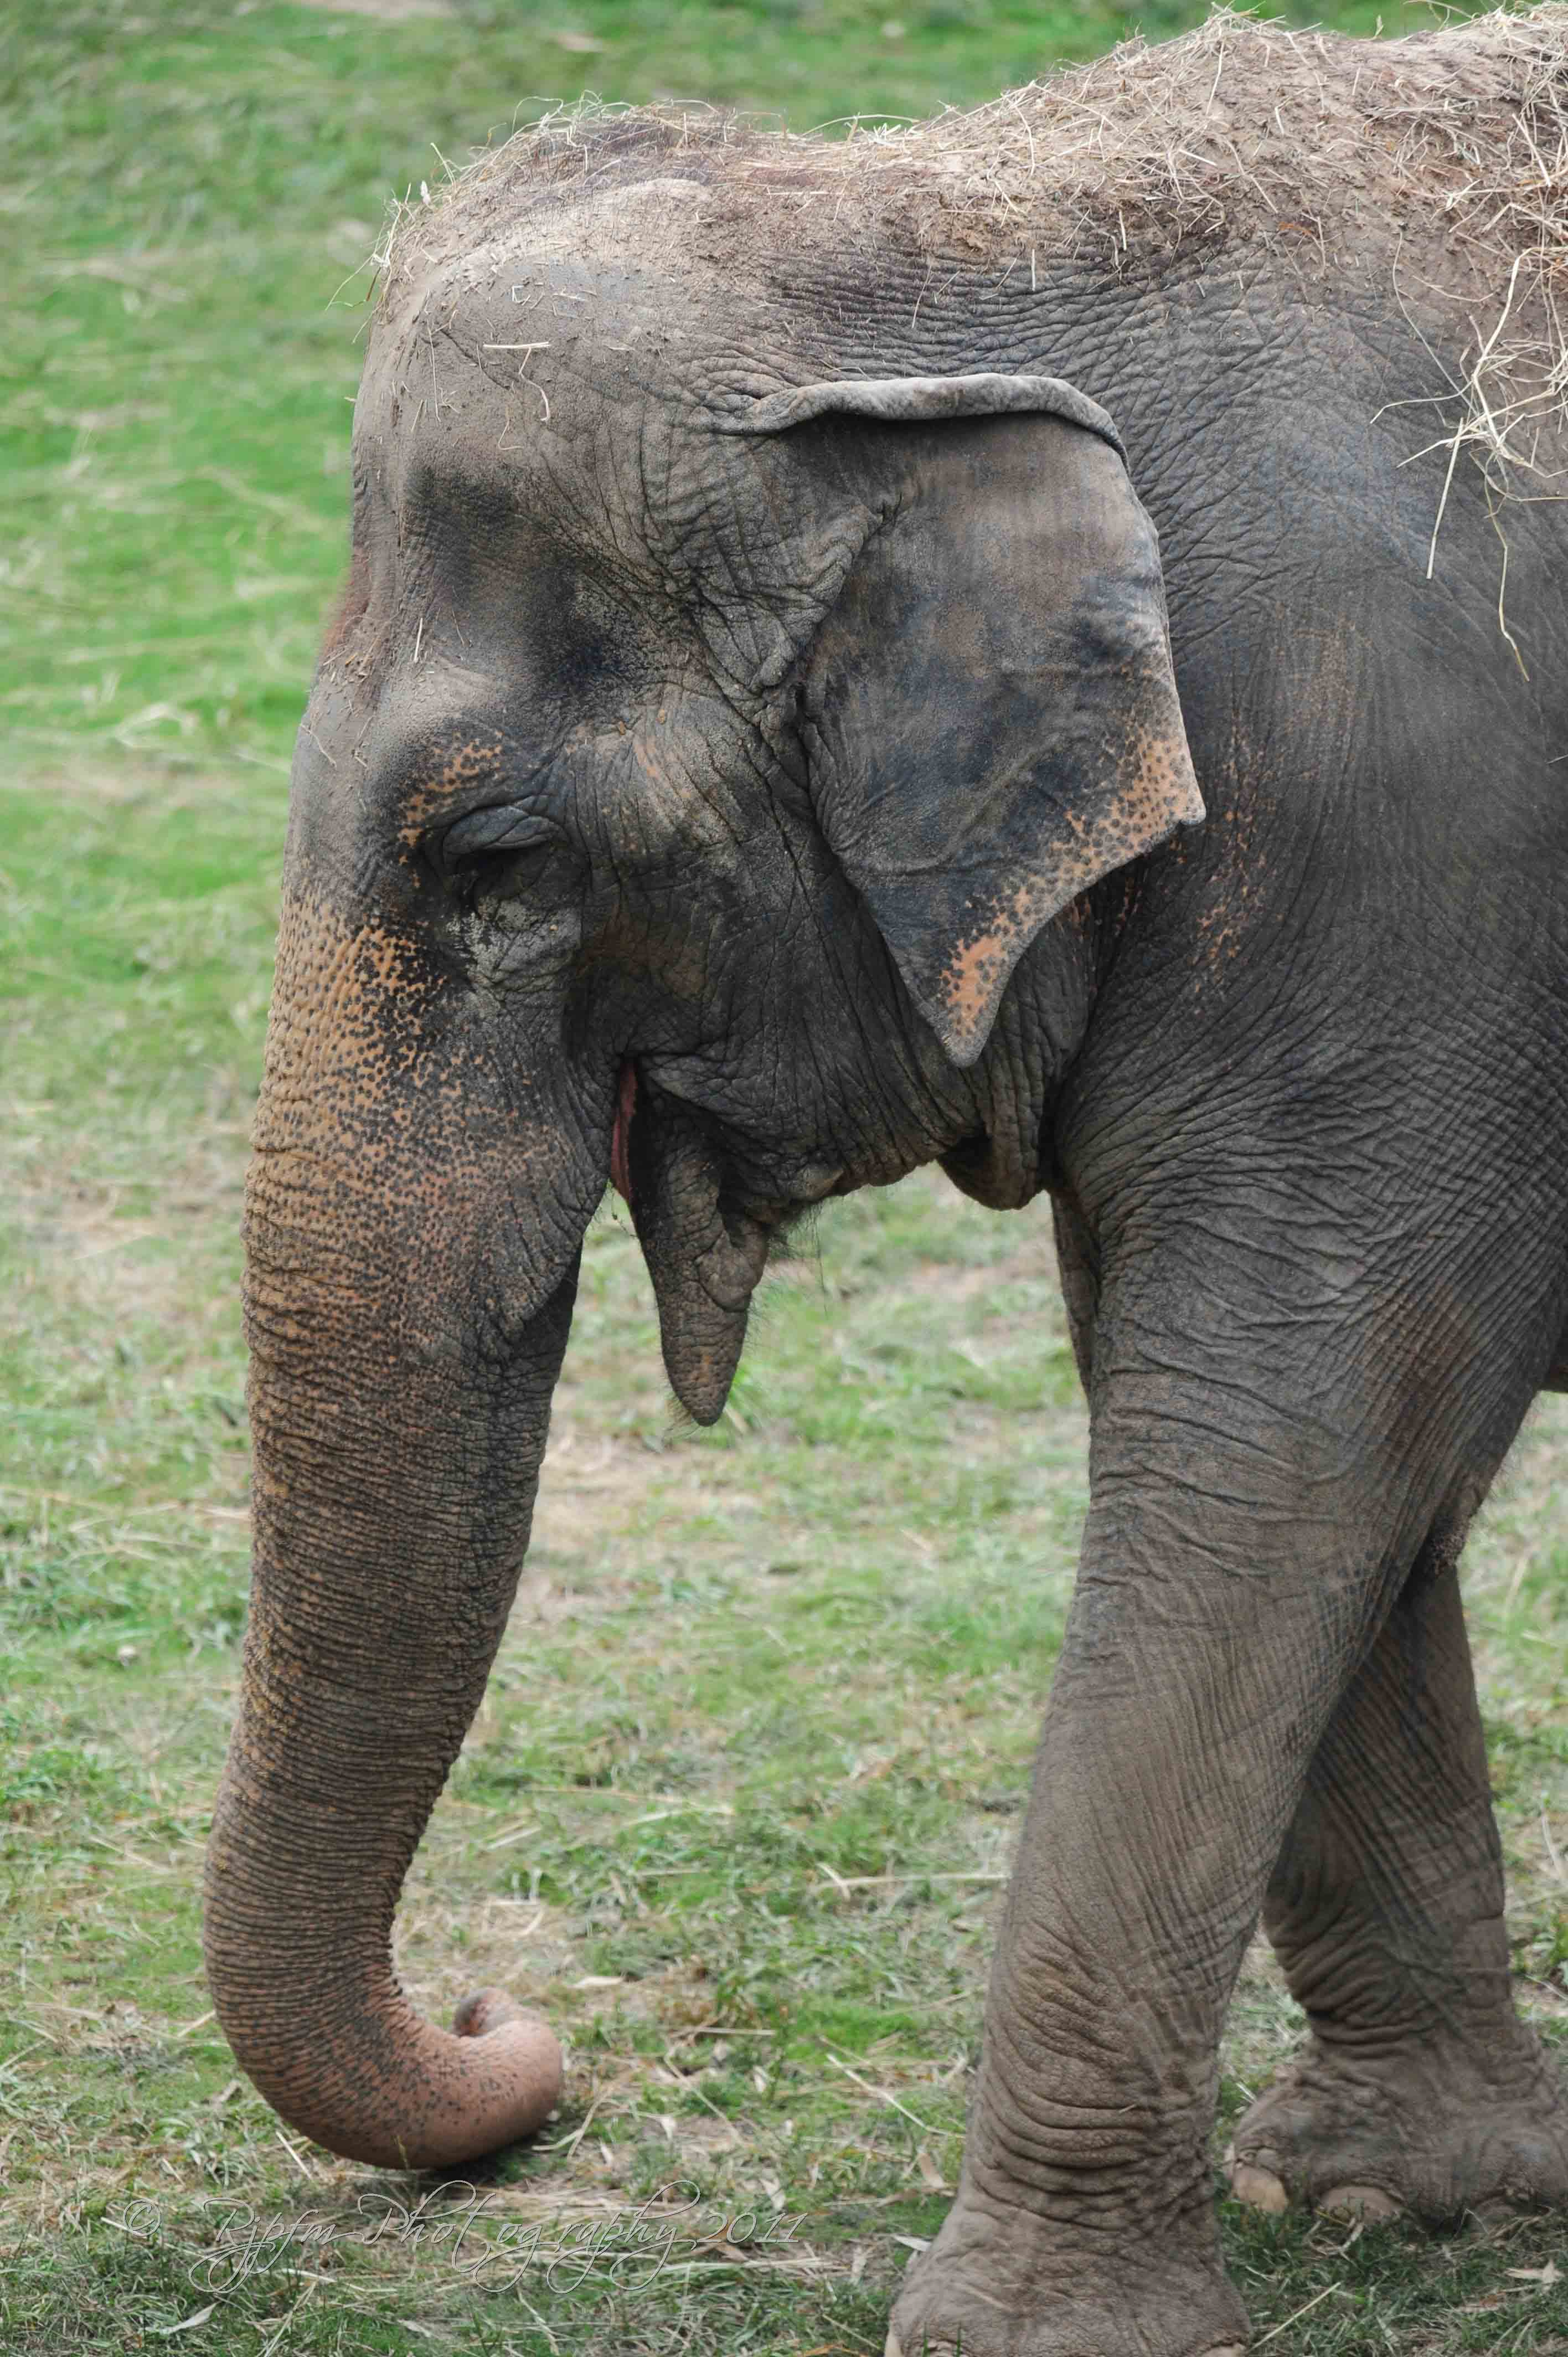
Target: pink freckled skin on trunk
<point>626,1104</point>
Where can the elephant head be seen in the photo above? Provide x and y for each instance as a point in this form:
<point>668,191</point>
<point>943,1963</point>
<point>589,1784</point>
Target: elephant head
<point>695,761</point>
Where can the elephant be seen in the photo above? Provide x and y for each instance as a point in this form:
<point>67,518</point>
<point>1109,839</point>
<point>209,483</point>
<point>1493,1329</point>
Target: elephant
<point>986,644</point>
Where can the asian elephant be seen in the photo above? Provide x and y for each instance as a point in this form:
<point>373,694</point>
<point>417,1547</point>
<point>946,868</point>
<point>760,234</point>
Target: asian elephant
<point>763,747</point>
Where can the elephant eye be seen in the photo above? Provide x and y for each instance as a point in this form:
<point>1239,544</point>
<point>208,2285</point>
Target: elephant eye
<point>496,856</point>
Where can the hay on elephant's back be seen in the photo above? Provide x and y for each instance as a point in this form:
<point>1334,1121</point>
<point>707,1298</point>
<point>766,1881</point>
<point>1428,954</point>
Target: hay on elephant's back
<point>1441,158</point>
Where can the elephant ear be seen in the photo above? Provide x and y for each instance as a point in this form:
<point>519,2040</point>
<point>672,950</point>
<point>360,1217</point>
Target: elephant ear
<point>989,710</point>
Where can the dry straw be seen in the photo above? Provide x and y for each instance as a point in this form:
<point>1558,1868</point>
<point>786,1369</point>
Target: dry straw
<point>1438,161</point>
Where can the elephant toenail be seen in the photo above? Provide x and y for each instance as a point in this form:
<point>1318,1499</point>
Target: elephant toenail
<point>1258,2188</point>
<point>891,2346</point>
<point>1369,2204</point>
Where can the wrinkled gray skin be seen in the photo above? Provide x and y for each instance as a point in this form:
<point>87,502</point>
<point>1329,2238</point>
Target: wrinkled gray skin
<point>719,760</point>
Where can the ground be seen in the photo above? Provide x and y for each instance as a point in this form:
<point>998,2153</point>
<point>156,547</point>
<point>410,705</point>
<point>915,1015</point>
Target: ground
<point>739,1803</point>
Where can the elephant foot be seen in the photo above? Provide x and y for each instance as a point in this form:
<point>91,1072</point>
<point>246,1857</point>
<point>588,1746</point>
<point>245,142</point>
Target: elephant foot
<point>1433,2131</point>
<point>987,2288</point>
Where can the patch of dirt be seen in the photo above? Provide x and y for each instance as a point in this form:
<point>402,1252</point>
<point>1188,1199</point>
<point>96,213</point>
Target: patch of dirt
<point>1035,1265</point>
<point>80,1249</point>
<point>517,1945</point>
<point>589,1491</point>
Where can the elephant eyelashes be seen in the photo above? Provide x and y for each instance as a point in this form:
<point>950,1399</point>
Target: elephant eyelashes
<point>491,878</point>
<point>494,856</point>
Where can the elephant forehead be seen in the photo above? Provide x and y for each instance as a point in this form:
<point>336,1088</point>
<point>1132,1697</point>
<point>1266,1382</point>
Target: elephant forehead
<point>542,379</point>
<point>651,222</point>
<point>600,292</point>
<point>582,394</point>
<point>570,563</point>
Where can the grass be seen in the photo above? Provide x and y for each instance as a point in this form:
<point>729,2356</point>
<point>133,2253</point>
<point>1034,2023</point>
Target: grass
<point>739,1802</point>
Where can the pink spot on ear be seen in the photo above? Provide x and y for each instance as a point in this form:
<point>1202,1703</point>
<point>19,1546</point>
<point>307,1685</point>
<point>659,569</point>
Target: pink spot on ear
<point>625,1106</point>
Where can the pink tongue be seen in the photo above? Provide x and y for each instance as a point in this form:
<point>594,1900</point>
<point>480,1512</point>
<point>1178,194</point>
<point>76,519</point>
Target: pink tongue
<point>626,1104</point>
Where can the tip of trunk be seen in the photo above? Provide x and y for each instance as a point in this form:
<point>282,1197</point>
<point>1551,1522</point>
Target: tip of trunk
<point>400,2094</point>
<point>322,2027</point>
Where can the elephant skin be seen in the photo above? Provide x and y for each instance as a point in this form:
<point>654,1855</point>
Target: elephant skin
<point>765,747</point>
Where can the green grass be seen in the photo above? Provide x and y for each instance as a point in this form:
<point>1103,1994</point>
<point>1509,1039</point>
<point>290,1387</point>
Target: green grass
<point>738,1804</point>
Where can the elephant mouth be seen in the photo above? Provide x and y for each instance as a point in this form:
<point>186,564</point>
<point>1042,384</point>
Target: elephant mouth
<point>704,1238</point>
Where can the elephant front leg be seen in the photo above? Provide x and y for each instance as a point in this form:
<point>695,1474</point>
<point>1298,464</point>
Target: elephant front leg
<point>1421,2088</point>
<point>1233,1574</point>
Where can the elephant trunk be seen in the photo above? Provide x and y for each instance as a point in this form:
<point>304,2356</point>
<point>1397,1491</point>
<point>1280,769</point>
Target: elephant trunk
<point>403,1352</point>
<point>373,1624</point>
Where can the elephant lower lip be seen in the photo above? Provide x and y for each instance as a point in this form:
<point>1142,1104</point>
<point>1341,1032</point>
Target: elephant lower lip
<point>625,1106</point>
<point>704,1262</point>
